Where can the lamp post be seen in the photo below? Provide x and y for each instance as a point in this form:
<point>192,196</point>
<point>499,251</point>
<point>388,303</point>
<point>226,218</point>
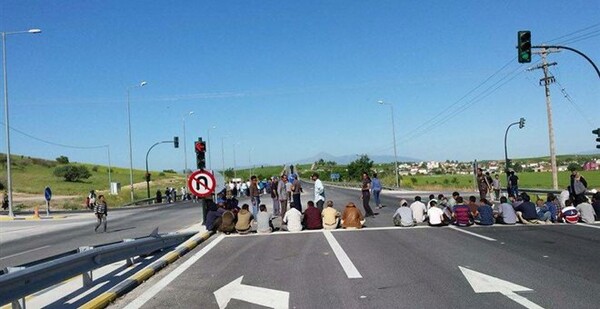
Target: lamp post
<point>109,168</point>
<point>142,84</point>
<point>6,118</point>
<point>185,170</point>
<point>521,124</point>
<point>394,139</point>
<point>208,146</point>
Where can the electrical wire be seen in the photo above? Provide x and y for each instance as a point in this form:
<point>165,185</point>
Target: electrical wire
<point>53,143</point>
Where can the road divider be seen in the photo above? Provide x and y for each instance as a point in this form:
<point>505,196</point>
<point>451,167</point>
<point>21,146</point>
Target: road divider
<point>104,299</point>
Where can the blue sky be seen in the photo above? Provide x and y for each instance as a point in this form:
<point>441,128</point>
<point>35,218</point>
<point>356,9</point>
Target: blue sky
<point>285,80</point>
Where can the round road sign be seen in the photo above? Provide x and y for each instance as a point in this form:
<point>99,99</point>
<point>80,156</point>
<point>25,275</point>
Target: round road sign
<point>202,183</point>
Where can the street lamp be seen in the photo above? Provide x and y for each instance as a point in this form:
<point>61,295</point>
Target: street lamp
<point>208,146</point>
<point>142,84</point>
<point>521,124</point>
<point>234,171</point>
<point>6,118</point>
<point>394,138</point>
<point>185,171</point>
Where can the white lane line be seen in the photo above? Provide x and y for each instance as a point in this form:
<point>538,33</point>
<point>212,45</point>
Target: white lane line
<point>470,233</point>
<point>152,291</point>
<point>24,252</point>
<point>588,225</point>
<point>342,257</point>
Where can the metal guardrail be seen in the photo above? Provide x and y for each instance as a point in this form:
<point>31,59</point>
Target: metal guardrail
<point>17,284</point>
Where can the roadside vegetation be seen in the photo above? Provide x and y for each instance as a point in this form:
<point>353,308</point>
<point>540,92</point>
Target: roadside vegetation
<point>71,182</point>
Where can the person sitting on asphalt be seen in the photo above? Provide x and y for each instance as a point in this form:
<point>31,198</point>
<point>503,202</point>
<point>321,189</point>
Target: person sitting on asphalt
<point>526,211</point>
<point>331,217</point>
<point>473,206</point>
<point>214,212</point>
<point>431,198</point>
<point>596,204</point>
<point>312,217</point>
<point>553,207</point>
<point>244,220</point>
<point>419,210</point>
<point>542,211</point>
<point>403,215</point>
<point>452,199</point>
<point>570,213</point>
<point>461,213</point>
<point>263,220</point>
<point>586,211</point>
<point>506,213</point>
<point>485,213</point>
<point>351,217</point>
<point>293,220</point>
<point>435,214</point>
<point>227,222</point>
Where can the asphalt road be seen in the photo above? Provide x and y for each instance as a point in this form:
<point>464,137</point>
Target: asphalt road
<point>554,267</point>
<point>26,241</point>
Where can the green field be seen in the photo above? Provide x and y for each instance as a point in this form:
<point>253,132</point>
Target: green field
<point>31,176</point>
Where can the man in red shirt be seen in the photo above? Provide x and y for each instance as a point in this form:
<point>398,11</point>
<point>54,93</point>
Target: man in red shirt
<point>312,217</point>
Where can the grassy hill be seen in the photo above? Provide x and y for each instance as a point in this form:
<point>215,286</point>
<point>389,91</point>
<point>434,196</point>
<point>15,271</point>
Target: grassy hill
<point>31,175</point>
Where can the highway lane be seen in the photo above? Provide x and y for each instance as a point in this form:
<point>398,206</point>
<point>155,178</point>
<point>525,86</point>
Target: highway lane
<point>399,267</point>
<point>26,241</point>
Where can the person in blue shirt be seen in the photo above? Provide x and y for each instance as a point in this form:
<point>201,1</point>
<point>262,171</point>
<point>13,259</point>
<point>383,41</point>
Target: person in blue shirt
<point>376,190</point>
<point>526,211</point>
<point>485,213</point>
<point>552,206</point>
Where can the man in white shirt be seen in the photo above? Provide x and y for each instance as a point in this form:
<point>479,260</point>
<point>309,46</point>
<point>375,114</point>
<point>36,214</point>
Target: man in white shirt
<point>435,214</point>
<point>419,210</point>
<point>319,191</point>
<point>293,220</point>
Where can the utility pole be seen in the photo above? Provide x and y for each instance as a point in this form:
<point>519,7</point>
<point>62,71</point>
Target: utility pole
<point>546,81</point>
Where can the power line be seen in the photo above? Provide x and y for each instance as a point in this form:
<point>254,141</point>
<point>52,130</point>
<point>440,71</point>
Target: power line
<point>53,143</point>
<point>574,32</point>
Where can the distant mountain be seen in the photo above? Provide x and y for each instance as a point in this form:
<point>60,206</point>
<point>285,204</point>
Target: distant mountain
<point>346,159</point>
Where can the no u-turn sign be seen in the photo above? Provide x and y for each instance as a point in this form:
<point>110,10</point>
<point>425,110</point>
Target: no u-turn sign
<point>202,183</point>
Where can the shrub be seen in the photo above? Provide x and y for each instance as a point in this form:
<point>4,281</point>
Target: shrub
<point>72,173</point>
<point>62,160</point>
<point>170,171</point>
<point>95,168</point>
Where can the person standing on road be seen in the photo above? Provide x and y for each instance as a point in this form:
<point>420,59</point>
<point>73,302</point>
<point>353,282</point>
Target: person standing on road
<point>513,184</point>
<point>496,186</point>
<point>319,192</point>
<point>275,196</point>
<point>366,195</point>
<point>578,188</point>
<point>296,191</point>
<point>282,195</point>
<point>254,195</point>
<point>376,190</point>
<point>101,211</point>
<point>482,183</point>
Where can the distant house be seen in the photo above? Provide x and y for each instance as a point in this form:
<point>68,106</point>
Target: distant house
<point>591,166</point>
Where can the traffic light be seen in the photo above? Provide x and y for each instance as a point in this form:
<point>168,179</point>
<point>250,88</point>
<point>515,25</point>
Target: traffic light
<point>521,123</point>
<point>597,132</point>
<point>200,148</point>
<point>176,141</point>
<point>524,46</point>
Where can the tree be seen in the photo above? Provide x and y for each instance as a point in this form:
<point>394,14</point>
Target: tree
<point>72,173</point>
<point>62,160</point>
<point>358,166</point>
<point>229,173</point>
<point>574,167</point>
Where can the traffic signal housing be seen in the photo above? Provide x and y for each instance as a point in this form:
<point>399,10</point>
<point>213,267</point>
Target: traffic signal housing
<point>176,141</point>
<point>521,123</point>
<point>200,148</point>
<point>597,132</point>
<point>524,46</point>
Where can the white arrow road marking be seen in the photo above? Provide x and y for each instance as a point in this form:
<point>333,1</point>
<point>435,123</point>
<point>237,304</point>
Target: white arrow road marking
<point>252,294</point>
<point>482,283</point>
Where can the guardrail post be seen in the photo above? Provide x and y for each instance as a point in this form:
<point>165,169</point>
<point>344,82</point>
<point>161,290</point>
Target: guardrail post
<point>87,277</point>
<point>129,260</point>
<point>19,303</point>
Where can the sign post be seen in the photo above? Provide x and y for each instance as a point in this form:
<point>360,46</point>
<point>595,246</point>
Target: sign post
<point>48,196</point>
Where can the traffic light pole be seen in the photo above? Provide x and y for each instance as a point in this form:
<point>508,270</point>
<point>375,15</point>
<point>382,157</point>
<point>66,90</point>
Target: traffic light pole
<point>147,173</point>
